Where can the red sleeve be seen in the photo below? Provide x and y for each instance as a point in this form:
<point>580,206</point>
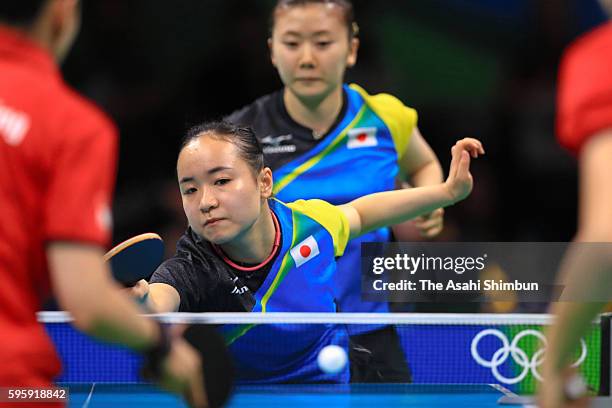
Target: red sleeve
<point>79,197</point>
<point>584,99</point>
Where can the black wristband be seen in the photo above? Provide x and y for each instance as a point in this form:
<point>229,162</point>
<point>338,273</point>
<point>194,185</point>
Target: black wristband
<point>152,368</point>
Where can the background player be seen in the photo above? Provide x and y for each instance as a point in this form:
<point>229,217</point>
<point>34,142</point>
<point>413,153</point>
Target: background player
<point>584,125</point>
<point>330,141</point>
<point>246,252</point>
<point>57,168</point>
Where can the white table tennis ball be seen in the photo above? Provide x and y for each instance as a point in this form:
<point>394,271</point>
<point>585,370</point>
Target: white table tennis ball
<point>332,359</point>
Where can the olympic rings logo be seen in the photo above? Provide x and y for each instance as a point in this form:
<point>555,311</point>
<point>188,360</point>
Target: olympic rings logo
<point>511,349</point>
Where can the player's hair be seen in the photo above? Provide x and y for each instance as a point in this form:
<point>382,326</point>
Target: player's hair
<point>242,137</point>
<point>345,5</point>
<point>20,12</point>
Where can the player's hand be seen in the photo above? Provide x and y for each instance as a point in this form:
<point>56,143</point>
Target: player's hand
<point>430,225</point>
<point>139,291</point>
<point>182,371</point>
<point>460,181</point>
<point>551,393</point>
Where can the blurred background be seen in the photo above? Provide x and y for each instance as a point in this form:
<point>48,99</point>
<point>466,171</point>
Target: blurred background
<point>479,68</point>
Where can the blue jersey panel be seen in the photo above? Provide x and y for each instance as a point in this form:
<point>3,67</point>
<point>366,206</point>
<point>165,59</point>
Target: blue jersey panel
<point>298,282</point>
<point>357,158</point>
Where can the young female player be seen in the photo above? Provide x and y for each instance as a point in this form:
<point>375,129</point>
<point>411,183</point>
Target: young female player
<point>325,139</point>
<point>245,251</point>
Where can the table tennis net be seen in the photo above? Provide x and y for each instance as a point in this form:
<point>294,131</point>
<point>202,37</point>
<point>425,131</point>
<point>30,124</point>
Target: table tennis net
<point>507,350</point>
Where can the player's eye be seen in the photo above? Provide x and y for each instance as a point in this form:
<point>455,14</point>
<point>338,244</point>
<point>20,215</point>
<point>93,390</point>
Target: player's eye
<point>222,181</point>
<point>188,191</point>
<point>291,44</point>
<point>323,44</point>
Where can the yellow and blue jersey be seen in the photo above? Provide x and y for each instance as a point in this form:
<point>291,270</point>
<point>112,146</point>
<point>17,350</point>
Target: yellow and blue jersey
<point>314,233</point>
<point>359,155</point>
<point>301,279</point>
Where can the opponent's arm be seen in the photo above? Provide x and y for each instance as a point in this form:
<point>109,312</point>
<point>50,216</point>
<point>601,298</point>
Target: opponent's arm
<point>83,286</point>
<point>586,271</point>
<point>390,207</point>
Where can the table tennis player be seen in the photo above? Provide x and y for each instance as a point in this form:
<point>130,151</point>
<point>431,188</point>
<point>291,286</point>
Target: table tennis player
<point>246,252</point>
<point>584,125</point>
<point>57,169</point>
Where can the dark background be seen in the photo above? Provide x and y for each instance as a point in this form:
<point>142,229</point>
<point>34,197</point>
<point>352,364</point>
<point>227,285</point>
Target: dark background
<point>479,68</point>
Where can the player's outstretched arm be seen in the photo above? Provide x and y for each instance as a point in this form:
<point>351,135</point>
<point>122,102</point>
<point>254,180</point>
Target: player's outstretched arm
<point>391,207</point>
<point>156,297</point>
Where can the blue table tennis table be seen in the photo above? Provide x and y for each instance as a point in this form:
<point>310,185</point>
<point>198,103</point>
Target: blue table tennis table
<point>299,396</point>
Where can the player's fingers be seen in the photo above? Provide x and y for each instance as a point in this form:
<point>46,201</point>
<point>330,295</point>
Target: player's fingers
<point>432,225</point>
<point>424,225</point>
<point>471,141</point>
<point>437,213</point>
<point>196,393</point>
<point>463,168</point>
<point>139,290</point>
<point>183,367</point>
<point>421,219</point>
<point>432,232</point>
<point>473,146</point>
<point>473,151</point>
<point>469,147</point>
<point>480,147</point>
<point>575,388</point>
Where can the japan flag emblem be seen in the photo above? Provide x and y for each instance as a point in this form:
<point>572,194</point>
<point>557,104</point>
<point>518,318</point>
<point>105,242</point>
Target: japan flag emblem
<point>304,251</point>
<point>362,137</point>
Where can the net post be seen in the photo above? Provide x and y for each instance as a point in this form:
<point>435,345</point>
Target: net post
<point>606,353</point>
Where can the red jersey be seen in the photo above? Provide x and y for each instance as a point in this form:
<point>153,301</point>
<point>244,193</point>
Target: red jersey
<point>57,171</point>
<point>584,99</point>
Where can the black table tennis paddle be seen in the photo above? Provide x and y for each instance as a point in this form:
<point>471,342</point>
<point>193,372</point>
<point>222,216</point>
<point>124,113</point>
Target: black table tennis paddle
<point>136,258</point>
